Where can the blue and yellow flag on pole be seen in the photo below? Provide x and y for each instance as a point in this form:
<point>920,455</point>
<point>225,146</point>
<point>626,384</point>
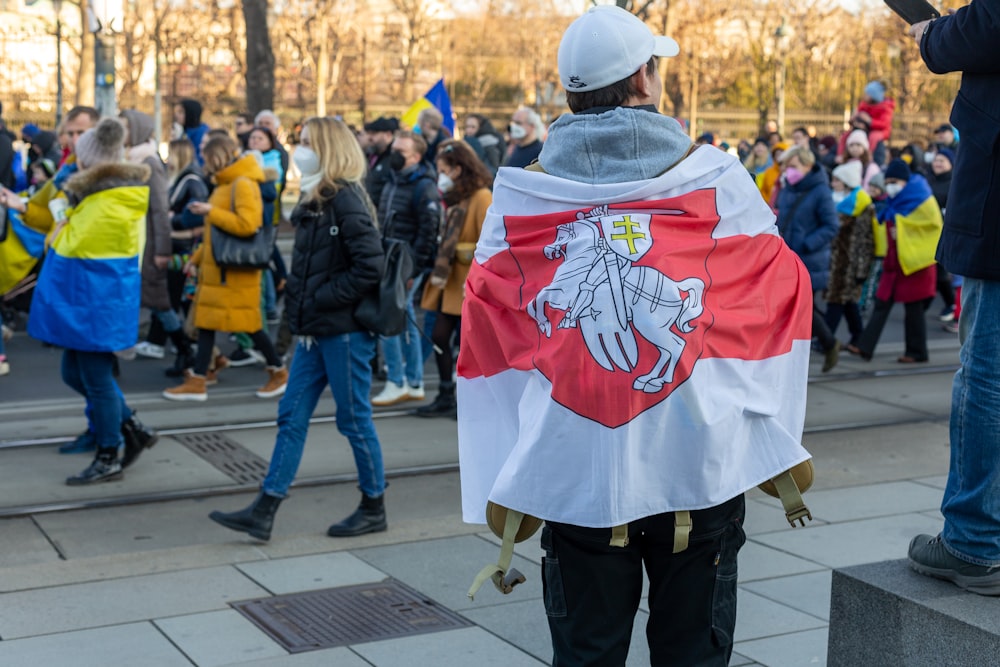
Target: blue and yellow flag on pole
<point>436,97</point>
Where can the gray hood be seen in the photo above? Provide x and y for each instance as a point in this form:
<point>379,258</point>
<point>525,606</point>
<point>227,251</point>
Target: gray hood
<point>140,127</point>
<point>616,146</point>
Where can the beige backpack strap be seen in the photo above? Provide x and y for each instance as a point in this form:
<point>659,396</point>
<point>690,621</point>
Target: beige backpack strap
<point>791,499</point>
<point>504,577</point>
<point>619,535</point>
<point>682,530</point>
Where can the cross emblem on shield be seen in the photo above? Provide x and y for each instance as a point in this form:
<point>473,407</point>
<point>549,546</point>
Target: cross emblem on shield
<point>628,234</point>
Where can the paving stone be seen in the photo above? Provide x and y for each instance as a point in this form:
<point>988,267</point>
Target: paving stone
<point>332,657</point>
<point>135,644</point>
<point>306,573</point>
<point>798,649</point>
<point>758,561</point>
<point>219,638</point>
<point>456,648</point>
<point>758,617</point>
<point>853,542</point>
<point>806,592</point>
<point>444,569</point>
<point>78,606</point>
<point>22,543</point>
<point>868,501</point>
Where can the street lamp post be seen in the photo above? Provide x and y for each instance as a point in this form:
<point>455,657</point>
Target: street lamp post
<point>781,36</point>
<point>57,6</point>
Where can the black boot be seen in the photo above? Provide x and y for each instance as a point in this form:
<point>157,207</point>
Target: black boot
<point>105,468</point>
<point>185,355</point>
<point>137,437</point>
<point>444,405</point>
<point>256,519</point>
<point>368,518</point>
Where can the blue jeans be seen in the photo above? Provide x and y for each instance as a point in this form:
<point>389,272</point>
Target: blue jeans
<point>344,362</point>
<point>405,345</point>
<point>971,504</point>
<point>90,375</point>
<point>270,296</point>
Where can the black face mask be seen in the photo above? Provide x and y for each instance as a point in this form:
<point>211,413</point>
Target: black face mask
<point>397,161</point>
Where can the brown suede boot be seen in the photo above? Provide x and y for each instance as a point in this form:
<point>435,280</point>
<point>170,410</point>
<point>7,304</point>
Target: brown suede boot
<point>193,389</point>
<point>277,380</point>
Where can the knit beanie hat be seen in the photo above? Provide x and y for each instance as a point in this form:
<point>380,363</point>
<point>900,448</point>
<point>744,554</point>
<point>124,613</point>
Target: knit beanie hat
<point>857,137</point>
<point>102,144</point>
<point>849,174</point>
<point>898,169</point>
<point>875,91</point>
<point>948,153</point>
<point>877,181</point>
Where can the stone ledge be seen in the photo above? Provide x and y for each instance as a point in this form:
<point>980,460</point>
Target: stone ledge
<point>887,614</point>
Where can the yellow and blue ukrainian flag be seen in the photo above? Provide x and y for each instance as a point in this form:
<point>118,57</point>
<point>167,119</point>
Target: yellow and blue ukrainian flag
<point>88,291</point>
<point>436,97</point>
<point>918,224</point>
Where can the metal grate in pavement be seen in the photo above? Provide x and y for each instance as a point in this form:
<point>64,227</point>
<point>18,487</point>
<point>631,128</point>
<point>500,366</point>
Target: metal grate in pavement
<point>226,455</point>
<point>348,615</point>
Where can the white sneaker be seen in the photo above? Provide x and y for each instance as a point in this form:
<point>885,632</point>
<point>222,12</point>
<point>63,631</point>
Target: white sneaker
<point>416,393</point>
<point>149,350</point>
<point>4,367</point>
<point>391,394</point>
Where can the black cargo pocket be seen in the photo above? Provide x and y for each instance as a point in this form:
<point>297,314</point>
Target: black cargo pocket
<point>552,584</point>
<point>724,595</point>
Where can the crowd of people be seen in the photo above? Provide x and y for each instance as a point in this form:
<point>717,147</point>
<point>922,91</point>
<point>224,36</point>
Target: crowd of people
<point>106,215</point>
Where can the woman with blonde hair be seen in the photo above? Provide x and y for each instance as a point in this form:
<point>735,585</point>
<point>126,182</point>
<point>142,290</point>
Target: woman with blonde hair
<point>228,298</point>
<point>464,183</point>
<point>336,261</point>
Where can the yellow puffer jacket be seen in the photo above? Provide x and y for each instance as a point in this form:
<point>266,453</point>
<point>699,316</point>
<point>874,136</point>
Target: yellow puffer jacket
<point>229,300</point>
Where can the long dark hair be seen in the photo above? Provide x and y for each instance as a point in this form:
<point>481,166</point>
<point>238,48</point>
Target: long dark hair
<point>474,174</point>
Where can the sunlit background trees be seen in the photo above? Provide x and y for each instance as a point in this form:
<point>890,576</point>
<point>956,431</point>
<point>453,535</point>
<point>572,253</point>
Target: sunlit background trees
<point>741,61</point>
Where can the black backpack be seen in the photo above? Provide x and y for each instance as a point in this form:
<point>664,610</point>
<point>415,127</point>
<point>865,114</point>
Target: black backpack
<point>383,311</point>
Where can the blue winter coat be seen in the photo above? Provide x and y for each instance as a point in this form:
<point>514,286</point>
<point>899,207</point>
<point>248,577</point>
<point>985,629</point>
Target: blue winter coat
<point>966,41</point>
<point>808,222</point>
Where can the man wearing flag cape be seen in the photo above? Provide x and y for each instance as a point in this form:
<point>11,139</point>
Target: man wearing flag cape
<point>635,347</point>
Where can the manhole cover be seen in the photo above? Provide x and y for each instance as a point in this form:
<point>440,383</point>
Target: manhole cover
<point>348,615</point>
<point>226,455</point>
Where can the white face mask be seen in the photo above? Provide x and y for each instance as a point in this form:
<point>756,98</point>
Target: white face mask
<point>306,160</point>
<point>929,157</point>
<point>839,197</point>
<point>445,184</point>
<point>517,132</point>
<point>893,189</point>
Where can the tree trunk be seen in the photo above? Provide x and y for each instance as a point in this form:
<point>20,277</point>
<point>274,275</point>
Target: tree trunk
<point>85,74</point>
<point>260,57</point>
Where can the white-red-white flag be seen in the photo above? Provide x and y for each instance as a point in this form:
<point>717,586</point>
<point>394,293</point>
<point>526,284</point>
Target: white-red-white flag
<point>630,349</point>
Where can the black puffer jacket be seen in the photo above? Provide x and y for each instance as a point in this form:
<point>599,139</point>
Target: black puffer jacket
<point>410,210</point>
<point>337,260</point>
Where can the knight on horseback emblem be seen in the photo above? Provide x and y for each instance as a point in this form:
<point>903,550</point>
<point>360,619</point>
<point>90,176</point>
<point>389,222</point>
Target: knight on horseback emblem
<point>610,298</point>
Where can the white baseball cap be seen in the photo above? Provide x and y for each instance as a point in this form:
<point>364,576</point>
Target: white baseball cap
<point>606,45</point>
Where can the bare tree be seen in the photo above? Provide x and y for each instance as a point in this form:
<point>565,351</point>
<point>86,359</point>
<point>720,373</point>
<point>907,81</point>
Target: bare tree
<point>260,57</point>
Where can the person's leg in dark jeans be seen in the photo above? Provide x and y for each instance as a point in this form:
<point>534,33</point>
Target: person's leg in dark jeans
<point>829,342</point>
<point>262,343</point>
<point>915,333</point>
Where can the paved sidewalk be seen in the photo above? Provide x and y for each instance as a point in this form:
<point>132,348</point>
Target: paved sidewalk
<point>151,584</point>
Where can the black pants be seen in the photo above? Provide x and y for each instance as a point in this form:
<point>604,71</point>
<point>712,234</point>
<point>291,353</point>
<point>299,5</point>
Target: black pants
<point>914,329</point>
<point>206,341</point>
<point>592,590</point>
<point>444,329</point>
<point>819,328</point>
<point>848,311</point>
